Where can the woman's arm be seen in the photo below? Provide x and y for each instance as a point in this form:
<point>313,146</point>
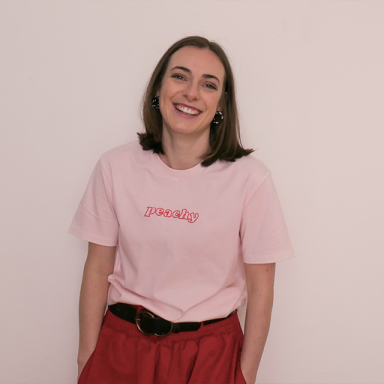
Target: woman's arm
<point>93,298</point>
<point>260,279</point>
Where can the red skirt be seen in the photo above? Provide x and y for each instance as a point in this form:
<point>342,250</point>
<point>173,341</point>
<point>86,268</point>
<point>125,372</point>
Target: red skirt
<point>123,355</point>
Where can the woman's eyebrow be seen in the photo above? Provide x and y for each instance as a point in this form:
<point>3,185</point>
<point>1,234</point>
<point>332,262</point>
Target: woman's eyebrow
<point>206,76</point>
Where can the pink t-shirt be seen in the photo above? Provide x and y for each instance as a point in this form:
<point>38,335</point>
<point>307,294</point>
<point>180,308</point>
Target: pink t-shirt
<point>182,236</point>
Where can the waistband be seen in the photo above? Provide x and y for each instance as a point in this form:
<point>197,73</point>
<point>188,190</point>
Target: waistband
<point>227,325</point>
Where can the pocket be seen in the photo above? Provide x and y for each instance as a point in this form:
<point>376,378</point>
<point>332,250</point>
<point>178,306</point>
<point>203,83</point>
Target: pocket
<point>84,373</point>
<point>239,375</point>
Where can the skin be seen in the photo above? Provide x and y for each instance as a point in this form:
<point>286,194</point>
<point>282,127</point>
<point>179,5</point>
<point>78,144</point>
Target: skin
<point>93,298</point>
<point>260,280</point>
<point>184,140</point>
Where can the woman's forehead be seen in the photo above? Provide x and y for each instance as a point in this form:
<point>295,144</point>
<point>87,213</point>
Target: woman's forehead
<point>198,60</point>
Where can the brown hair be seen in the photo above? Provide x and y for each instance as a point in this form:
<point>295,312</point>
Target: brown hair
<point>224,138</point>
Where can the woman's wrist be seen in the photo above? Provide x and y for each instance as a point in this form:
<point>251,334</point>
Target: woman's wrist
<point>84,355</point>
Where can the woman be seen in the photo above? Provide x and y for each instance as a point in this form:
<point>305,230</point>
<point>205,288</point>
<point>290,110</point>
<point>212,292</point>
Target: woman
<point>176,223</point>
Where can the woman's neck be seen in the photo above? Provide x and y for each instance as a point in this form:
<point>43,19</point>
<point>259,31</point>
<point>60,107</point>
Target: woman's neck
<point>183,152</point>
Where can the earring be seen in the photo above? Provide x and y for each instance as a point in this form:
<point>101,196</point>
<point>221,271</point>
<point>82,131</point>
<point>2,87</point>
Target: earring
<point>155,102</point>
<point>218,117</point>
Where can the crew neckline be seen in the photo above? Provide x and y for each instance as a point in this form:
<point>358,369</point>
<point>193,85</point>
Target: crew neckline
<point>176,172</point>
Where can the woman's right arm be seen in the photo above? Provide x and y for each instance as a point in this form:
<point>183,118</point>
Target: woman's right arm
<point>93,298</point>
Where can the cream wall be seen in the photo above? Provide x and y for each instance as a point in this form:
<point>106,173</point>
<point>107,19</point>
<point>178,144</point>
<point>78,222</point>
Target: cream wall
<point>310,84</point>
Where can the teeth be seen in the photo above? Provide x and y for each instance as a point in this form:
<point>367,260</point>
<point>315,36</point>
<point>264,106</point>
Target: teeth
<point>187,110</point>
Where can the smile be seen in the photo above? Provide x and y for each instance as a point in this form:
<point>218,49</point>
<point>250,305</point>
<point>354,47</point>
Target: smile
<point>187,110</point>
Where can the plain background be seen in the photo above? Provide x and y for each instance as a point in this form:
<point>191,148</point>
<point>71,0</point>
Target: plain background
<point>310,82</point>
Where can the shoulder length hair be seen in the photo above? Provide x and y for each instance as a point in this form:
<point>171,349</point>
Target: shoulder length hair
<point>224,138</point>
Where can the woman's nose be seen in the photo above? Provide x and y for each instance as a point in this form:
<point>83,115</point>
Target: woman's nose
<point>192,91</point>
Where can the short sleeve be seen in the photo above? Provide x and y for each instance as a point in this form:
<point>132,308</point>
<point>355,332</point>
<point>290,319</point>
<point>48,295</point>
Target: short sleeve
<point>95,218</point>
<point>263,232</point>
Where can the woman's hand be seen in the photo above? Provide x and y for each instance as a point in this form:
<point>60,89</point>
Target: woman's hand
<point>93,298</point>
<point>250,377</point>
<point>260,280</point>
<point>80,368</point>
<point>82,359</point>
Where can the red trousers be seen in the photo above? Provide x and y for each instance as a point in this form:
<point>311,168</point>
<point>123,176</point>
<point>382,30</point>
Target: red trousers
<point>123,355</point>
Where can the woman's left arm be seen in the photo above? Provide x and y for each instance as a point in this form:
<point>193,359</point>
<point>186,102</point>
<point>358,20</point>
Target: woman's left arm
<point>260,279</point>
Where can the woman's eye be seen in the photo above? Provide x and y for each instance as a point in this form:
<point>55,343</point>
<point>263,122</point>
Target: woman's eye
<point>178,77</point>
<point>211,86</point>
<point>181,77</point>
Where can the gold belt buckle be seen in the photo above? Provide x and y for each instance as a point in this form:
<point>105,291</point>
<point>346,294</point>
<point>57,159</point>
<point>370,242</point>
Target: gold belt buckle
<point>137,320</point>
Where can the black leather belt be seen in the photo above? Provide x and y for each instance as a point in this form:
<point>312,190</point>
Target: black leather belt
<point>150,324</point>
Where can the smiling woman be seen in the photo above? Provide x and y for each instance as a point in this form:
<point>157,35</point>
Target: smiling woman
<point>193,73</point>
<point>173,287</point>
<point>189,102</point>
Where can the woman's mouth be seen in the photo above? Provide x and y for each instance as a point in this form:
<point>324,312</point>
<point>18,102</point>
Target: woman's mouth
<point>186,111</point>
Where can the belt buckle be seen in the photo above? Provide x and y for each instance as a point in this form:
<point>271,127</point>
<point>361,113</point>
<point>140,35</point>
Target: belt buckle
<point>137,320</point>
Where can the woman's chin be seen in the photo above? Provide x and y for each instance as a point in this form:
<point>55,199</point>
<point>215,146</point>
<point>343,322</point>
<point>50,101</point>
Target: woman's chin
<point>187,129</point>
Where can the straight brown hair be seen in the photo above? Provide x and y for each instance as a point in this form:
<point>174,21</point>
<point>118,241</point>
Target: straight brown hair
<point>224,138</point>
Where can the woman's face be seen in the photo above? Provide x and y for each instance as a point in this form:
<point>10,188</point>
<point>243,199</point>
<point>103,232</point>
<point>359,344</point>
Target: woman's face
<point>191,90</point>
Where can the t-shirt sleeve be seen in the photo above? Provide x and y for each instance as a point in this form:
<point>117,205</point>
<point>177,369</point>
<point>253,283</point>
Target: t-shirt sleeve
<point>263,232</point>
<point>95,219</point>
